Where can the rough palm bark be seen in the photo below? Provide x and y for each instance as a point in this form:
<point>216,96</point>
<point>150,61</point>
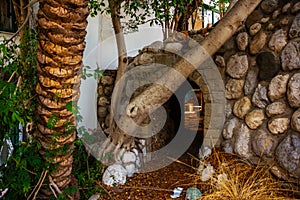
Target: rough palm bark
<point>62,25</point>
<point>156,94</point>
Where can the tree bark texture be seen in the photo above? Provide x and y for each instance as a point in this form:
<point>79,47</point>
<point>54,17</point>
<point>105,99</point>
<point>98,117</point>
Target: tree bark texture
<point>184,19</point>
<point>122,58</point>
<point>62,29</point>
<point>157,94</point>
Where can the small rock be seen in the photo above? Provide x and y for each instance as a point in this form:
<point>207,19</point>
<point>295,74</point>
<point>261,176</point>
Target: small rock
<point>258,42</point>
<point>284,21</point>
<point>276,108</point>
<point>173,47</point>
<point>108,90</point>
<point>114,175</point>
<point>296,120</point>
<point>286,7</point>
<point>130,168</point>
<point>192,193</point>
<point>237,66</point>
<point>296,8</point>
<point>242,142</point>
<point>242,107</point>
<point>227,146</point>
<point>144,58</point>
<point>229,128</point>
<point>255,118</point>
<point>155,47</point>
<point>295,27</point>
<point>102,111</point>
<point>288,154</point>
<point>204,152</point>
<point>103,101</point>
<point>276,14</point>
<point>290,56</point>
<point>254,28</point>
<point>270,27</point>
<point>106,80</point>
<point>294,91</point>
<point>278,125</point>
<point>268,6</point>
<point>268,66</point>
<point>129,157</point>
<point>234,89</point>
<point>260,98</point>
<point>265,19</point>
<point>228,108</point>
<point>277,87</point>
<point>251,80</point>
<point>278,40</point>
<point>222,178</point>
<point>100,90</point>
<point>220,62</point>
<point>262,143</point>
<point>242,40</point>
<point>207,172</point>
<point>95,197</point>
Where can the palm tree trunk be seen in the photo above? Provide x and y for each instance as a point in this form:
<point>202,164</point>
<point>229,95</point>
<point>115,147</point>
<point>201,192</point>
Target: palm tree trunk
<point>62,25</point>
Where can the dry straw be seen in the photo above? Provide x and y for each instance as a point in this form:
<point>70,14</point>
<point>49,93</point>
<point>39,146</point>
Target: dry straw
<point>243,181</point>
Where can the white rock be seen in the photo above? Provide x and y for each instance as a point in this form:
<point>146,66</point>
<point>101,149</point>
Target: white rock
<point>222,178</point>
<point>129,157</point>
<point>114,175</point>
<point>207,173</point>
<point>131,169</point>
<point>229,128</point>
<point>242,142</point>
<point>95,197</point>
<point>204,152</point>
<point>227,147</point>
<point>173,47</point>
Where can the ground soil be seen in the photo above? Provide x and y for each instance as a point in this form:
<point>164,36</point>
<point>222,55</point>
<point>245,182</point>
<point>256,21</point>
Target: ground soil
<point>157,185</point>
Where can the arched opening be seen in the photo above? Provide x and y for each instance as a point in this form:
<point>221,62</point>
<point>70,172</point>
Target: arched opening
<point>187,110</point>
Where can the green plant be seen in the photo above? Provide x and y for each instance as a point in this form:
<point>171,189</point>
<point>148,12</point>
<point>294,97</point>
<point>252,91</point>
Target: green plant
<point>17,106</point>
<point>17,81</point>
<point>88,172</point>
<point>22,171</point>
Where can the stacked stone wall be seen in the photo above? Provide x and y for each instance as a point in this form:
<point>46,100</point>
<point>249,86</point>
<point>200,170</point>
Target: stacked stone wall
<point>260,70</point>
<point>262,88</point>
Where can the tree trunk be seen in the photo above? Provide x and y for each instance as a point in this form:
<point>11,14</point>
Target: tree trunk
<point>157,94</point>
<point>183,22</point>
<point>122,63</point>
<point>62,25</point>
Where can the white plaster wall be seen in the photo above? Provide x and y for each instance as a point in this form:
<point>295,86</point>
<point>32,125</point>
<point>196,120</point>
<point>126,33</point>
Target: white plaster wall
<point>101,50</point>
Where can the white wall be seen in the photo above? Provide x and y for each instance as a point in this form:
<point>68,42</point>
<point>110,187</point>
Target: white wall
<point>101,50</point>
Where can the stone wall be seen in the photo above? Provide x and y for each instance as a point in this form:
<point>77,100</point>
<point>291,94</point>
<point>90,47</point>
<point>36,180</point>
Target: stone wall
<point>163,55</point>
<point>262,82</point>
<point>260,69</point>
